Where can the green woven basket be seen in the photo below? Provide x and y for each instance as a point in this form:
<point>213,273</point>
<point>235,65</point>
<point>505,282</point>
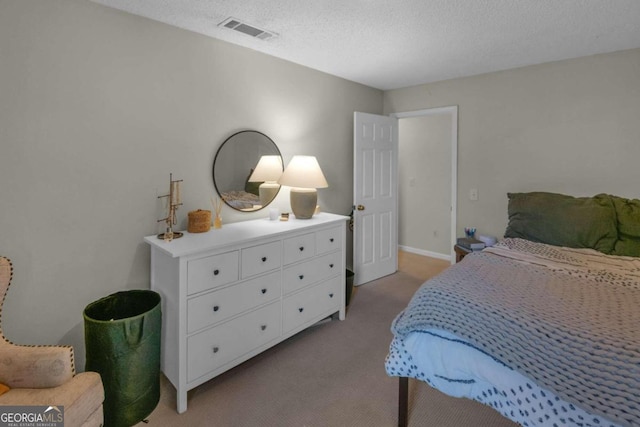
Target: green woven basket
<point>122,338</point>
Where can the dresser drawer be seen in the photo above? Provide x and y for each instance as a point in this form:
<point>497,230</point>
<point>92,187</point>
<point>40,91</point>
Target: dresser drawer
<point>328,240</point>
<point>210,272</point>
<point>306,306</point>
<point>299,248</point>
<point>305,273</point>
<point>216,306</point>
<point>215,347</point>
<point>260,259</point>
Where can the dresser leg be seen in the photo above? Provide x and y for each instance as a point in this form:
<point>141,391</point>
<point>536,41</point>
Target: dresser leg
<point>181,401</point>
<point>338,315</point>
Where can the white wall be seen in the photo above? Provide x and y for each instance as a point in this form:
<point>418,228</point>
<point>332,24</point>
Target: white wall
<point>571,127</point>
<point>97,107</point>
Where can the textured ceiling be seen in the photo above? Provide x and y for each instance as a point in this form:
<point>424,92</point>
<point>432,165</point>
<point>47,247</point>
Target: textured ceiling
<point>388,44</point>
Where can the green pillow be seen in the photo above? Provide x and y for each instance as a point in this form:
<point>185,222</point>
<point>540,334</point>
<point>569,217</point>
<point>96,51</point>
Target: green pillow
<point>252,187</point>
<point>561,220</point>
<point>628,215</point>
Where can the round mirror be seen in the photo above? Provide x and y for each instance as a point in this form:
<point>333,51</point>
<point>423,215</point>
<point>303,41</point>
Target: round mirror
<point>246,170</point>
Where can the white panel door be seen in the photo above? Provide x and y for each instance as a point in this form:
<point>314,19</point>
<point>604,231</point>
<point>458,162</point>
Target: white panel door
<point>375,241</point>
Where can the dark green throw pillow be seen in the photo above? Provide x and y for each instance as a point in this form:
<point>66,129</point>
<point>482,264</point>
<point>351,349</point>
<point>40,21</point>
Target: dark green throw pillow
<point>628,214</point>
<point>561,220</point>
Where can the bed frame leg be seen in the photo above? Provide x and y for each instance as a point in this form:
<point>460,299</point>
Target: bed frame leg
<point>403,402</point>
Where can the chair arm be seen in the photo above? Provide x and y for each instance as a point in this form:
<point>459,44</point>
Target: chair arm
<point>42,366</point>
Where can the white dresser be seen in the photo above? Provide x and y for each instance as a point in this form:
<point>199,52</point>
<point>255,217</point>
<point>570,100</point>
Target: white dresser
<point>231,293</point>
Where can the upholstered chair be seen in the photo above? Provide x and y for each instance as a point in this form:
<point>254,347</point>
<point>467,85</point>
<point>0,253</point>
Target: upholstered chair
<point>45,374</point>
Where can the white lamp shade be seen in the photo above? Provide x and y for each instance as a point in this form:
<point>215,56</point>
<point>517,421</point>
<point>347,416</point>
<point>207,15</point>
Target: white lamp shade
<point>269,168</point>
<point>303,172</point>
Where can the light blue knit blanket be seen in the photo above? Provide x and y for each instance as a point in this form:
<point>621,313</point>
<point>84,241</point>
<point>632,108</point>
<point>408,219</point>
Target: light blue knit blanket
<point>569,319</point>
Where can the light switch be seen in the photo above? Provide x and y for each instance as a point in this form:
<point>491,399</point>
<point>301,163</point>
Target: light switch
<point>473,194</point>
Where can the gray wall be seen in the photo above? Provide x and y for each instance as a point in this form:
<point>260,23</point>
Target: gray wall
<point>571,127</point>
<point>97,108</point>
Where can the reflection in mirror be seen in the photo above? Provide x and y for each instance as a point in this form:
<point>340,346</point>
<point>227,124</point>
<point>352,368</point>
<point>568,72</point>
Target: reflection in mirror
<point>266,173</point>
<point>245,170</point>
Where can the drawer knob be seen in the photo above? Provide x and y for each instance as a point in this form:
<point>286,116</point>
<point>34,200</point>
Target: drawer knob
<point>215,349</point>
<point>263,327</point>
<point>301,248</point>
<point>216,272</point>
<point>331,240</point>
<point>301,309</point>
<point>301,276</point>
<point>330,265</point>
<point>263,290</point>
<point>216,308</point>
<point>264,259</point>
<point>330,295</point>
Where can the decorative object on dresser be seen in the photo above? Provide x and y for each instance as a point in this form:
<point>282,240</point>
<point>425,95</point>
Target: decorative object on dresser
<point>274,213</point>
<point>173,201</point>
<point>217,207</point>
<point>228,295</point>
<point>199,221</point>
<point>304,175</point>
<point>234,165</point>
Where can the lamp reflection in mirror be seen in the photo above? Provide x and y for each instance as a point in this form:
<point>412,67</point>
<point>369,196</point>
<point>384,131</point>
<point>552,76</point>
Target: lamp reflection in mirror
<point>304,175</point>
<point>267,171</point>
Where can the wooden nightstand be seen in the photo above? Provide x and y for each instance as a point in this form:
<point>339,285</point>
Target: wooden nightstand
<point>461,252</point>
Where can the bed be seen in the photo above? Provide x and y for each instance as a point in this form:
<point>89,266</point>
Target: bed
<point>544,326</point>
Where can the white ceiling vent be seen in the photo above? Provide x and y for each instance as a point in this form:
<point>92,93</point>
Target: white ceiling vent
<point>250,30</point>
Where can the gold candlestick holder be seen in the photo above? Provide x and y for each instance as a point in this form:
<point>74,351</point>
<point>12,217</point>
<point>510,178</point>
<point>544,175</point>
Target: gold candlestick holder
<point>173,201</point>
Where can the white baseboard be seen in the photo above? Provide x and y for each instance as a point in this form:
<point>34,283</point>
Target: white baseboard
<point>445,257</point>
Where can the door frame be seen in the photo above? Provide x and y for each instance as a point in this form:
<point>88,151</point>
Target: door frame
<point>453,111</point>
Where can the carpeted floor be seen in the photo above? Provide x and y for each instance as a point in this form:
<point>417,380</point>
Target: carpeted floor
<point>329,375</point>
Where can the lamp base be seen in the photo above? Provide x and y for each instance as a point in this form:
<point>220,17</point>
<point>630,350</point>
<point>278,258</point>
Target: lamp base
<point>303,202</point>
<point>268,191</point>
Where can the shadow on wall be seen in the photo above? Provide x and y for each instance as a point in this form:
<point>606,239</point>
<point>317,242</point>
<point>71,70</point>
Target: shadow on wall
<point>75,338</point>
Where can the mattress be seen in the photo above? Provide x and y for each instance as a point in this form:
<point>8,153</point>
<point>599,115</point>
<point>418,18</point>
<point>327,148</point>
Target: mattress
<point>456,368</point>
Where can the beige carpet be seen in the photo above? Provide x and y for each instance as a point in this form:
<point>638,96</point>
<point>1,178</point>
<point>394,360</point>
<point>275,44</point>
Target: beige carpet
<point>329,375</point>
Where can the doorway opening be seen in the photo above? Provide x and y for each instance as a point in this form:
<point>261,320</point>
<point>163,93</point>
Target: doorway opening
<point>427,181</point>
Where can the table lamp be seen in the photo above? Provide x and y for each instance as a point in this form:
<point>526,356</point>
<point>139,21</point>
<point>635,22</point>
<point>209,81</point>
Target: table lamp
<point>304,175</point>
<point>267,171</point>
